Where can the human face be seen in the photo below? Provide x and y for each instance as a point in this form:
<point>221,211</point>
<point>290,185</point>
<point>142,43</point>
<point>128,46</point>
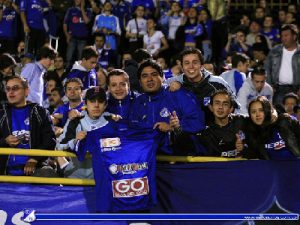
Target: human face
<point>47,62</point>
<point>268,22</point>
<point>150,24</point>
<point>118,87</point>
<point>59,63</point>
<point>107,7</point>
<point>254,28</point>
<point>15,92</point>
<point>8,71</point>
<point>259,13</point>
<point>162,62</point>
<point>258,81</point>
<point>221,106</point>
<point>140,11</point>
<point>289,105</point>
<point>54,99</point>
<point>50,85</point>
<point>209,67</point>
<point>257,114</point>
<point>99,42</point>
<point>95,108</point>
<point>90,63</point>
<point>203,16</point>
<point>240,36</point>
<point>21,47</point>
<point>192,13</point>
<point>126,57</point>
<point>191,66</point>
<point>101,78</point>
<point>281,16</point>
<point>150,80</point>
<point>73,91</point>
<point>175,7</point>
<point>288,39</point>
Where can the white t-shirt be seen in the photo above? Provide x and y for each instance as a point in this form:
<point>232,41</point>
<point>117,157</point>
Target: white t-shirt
<point>174,23</point>
<point>132,28</point>
<point>286,71</point>
<point>153,43</point>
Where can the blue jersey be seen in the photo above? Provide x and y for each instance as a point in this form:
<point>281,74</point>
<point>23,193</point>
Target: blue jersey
<point>122,108</point>
<point>191,33</point>
<point>8,24</point>
<point>88,78</point>
<point>111,23</point>
<point>124,168</point>
<point>64,110</point>
<point>277,149</point>
<point>20,129</point>
<point>75,23</point>
<point>34,13</point>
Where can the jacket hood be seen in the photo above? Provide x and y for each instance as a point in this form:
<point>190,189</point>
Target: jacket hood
<point>78,66</point>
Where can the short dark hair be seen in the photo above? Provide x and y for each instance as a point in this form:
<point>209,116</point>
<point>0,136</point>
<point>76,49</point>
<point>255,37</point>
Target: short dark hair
<point>6,60</point>
<point>190,51</point>
<point>46,52</point>
<point>141,55</point>
<point>59,90</point>
<point>99,34</point>
<point>89,52</point>
<point>258,71</point>
<point>117,72</point>
<point>152,64</point>
<point>75,80</point>
<point>292,27</point>
<point>238,57</point>
<point>223,92</point>
<point>24,82</point>
<point>290,95</point>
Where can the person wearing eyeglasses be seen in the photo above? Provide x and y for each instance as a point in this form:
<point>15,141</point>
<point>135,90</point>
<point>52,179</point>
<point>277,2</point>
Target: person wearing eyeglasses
<point>24,125</point>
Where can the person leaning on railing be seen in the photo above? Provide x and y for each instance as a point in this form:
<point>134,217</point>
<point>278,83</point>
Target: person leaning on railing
<point>24,125</point>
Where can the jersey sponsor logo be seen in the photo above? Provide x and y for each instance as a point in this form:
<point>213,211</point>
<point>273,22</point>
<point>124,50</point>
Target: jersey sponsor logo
<point>130,168</point>
<point>206,101</point>
<point>26,121</point>
<point>164,112</point>
<point>276,145</point>
<point>232,153</point>
<point>129,188</point>
<point>110,144</point>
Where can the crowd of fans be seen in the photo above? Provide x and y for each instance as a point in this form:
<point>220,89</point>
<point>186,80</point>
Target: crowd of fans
<point>76,65</point>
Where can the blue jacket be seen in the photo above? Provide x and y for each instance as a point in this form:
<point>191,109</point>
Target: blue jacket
<point>149,109</point>
<point>122,108</point>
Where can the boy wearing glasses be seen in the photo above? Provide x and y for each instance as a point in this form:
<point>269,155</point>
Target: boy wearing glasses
<point>23,125</point>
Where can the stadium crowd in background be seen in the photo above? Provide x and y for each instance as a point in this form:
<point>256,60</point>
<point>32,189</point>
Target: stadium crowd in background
<point>193,70</point>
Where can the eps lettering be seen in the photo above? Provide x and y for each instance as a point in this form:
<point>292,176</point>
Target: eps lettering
<point>16,219</point>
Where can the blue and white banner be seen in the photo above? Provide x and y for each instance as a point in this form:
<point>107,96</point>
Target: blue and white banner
<point>225,192</point>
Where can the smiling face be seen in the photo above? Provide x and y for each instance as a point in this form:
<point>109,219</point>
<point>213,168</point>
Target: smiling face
<point>118,86</point>
<point>150,80</point>
<point>191,66</point>
<point>257,113</point>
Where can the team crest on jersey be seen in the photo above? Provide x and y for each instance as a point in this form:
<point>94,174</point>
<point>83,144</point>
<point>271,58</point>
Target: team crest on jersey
<point>110,144</point>
<point>164,112</point>
<point>206,101</point>
<point>129,188</point>
<point>26,121</point>
<point>129,168</point>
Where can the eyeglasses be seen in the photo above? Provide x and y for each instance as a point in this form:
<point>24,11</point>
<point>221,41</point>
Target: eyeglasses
<point>13,88</point>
